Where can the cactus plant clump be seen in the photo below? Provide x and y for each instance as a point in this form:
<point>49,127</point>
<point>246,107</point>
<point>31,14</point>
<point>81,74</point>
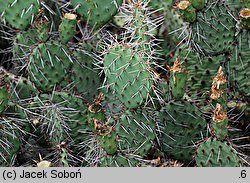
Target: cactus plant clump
<point>124,83</point>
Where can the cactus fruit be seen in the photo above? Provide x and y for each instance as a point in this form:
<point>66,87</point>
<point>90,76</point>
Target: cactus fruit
<point>19,14</point>
<point>213,153</point>
<point>245,18</point>
<point>67,28</point>
<point>96,13</point>
<point>182,127</point>
<point>187,10</point>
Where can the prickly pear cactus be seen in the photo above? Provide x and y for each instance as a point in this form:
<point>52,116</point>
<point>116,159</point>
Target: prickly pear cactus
<point>19,14</point>
<point>96,13</point>
<point>107,140</point>
<point>211,33</point>
<point>182,128</point>
<point>119,160</point>
<point>187,11</point>
<point>10,142</point>
<point>239,64</point>
<point>85,75</point>
<point>136,132</point>
<point>124,83</point>
<point>198,4</point>
<point>48,64</point>
<point>213,153</point>
<point>127,75</point>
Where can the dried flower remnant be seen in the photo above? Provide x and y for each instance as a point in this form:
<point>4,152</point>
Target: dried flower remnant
<point>177,67</point>
<point>219,115</point>
<point>218,80</point>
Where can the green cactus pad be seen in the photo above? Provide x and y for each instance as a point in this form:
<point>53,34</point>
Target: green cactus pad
<point>128,76</point>
<point>118,160</point>
<point>160,5</point>
<point>77,117</point>
<point>18,13</point>
<point>26,39</point>
<point>21,88</point>
<point>183,126</point>
<point>178,86</point>
<point>84,75</point>
<point>245,3</point>
<point>48,64</point>
<point>220,129</point>
<point>81,123</point>
<point>234,4</point>
<point>213,33</point>
<point>96,13</point>
<point>136,132</point>
<point>10,142</point>
<point>64,117</point>
<point>173,21</point>
<point>239,65</point>
<point>213,153</point>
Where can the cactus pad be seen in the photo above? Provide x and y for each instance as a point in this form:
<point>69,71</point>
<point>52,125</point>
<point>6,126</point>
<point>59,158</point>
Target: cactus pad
<point>18,13</point>
<point>96,13</point>
<point>127,75</point>
<point>213,153</point>
<point>183,126</point>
